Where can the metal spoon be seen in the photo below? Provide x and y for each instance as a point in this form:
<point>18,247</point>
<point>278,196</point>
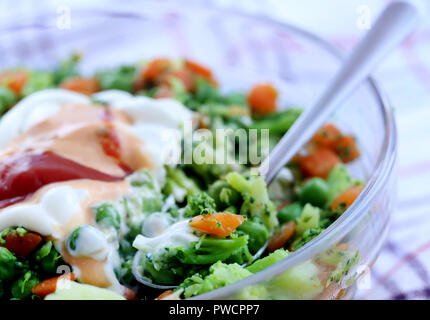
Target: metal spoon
<point>395,23</point>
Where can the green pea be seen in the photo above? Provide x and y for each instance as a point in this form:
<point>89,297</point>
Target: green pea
<point>21,288</point>
<point>314,191</point>
<point>107,216</point>
<point>257,232</point>
<point>7,264</point>
<point>290,212</point>
<point>73,237</point>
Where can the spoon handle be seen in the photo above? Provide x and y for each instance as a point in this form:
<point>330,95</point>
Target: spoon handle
<point>391,28</point>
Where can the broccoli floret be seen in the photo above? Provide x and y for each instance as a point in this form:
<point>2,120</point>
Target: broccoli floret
<point>38,80</point>
<point>220,275</point>
<point>21,288</point>
<point>278,123</point>
<point>257,232</point>
<point>309,218</point>
<point>223,194</point>
<point>307,236</point>
<point>146,195</point>
<point>256,199</point>
<point>121,78</point>
<point>179,184</point>
<point>205,92</point>
<point>171,265</point>
<point>200,203</point>
<point>210,250</point>
<point>265,262</point>
<point>7,266</point>
<point>67,68</point>
<point>338,180</point>
<point>7,99</point>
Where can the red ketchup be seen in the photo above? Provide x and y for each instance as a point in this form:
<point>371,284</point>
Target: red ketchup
<point>21,175</point>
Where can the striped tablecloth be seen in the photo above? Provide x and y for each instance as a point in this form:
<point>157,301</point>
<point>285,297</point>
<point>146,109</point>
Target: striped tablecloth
<point>403,268</point>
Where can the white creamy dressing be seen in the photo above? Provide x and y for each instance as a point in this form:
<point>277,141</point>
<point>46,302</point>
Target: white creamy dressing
<point>56,207</point>
<point>91,243</point>
<point>179,234</point>
<point>156,121</point>
<point>33,109</point>
<point>155,224</point>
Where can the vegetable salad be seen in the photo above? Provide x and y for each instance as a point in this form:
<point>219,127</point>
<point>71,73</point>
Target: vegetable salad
<point>193,227</point>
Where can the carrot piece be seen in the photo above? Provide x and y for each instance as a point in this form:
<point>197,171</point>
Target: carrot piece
<point>262,99</point>
<point>346,198</point>
<point>14,80</point>
<point>129,294</point>
<point>221,224</point>
<point>346,148</point>
<point>49,286</point>
<point>22,246</point>
<point>164,294</point>
<point>184,75</point>
<point>319,162</point>
<point>87,86</point>
<point>327,136</point>
<point>164,91</point>
<point>156,68</point>
<point>199,69</point>
<point>280,238</point>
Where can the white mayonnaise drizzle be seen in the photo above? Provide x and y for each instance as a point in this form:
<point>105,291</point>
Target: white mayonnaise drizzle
<point>156,122</point>
<point>178,234</point>
<point>55,209</point>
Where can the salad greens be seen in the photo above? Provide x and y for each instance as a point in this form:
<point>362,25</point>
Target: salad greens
<point>201,225</point>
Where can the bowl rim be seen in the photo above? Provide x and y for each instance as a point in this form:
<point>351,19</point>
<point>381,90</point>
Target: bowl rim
<point>358,210</point>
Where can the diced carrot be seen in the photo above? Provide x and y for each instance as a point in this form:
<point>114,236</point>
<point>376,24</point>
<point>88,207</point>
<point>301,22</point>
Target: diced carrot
<point>346,148</point>
<point>262,99</point>
<point>319,162</point>
<point>129,294</point>
<point>199,69</point>
<point>346,198</point>
<point>282,205</point>
<point>327,136</point>
<point>49,286</point>
<point>164,91</point>
<point>87,86</point>
<point>156,68</point>
<point>14,80</point>
<point>280,238</point>
<point>341,293</point>
<point>164,294</point>
<point>221,224</point>
<point>22,246</point>
<point>184,75</point>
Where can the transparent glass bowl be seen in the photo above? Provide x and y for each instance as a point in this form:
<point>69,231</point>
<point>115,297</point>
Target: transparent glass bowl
<point>244,50</point>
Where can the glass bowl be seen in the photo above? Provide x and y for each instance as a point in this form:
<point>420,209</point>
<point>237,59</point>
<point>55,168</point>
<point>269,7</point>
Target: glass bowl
<point>244,50</point>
